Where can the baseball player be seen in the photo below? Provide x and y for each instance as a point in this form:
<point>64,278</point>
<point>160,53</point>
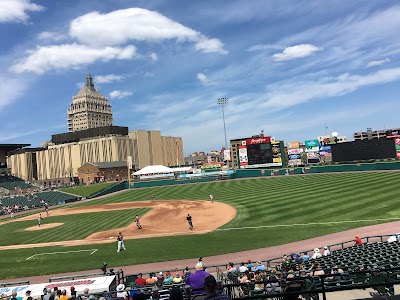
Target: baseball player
<point>138,222</point>
<point>211,198</point>
<point>39,219</point>
<point>189,220</point>
<point>46,209</point>
<point>120,240</point>
<point>152,198</point>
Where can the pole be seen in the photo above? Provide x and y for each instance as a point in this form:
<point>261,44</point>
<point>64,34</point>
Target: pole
<point>223,118</point>
<point>129,178</point>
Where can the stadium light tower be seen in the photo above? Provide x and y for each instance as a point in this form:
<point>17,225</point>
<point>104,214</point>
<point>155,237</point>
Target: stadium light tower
<point>222,102</point>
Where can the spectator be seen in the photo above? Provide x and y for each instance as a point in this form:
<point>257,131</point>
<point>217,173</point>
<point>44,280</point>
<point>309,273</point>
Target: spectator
<point>73,292</point>
<point>335,270</point>
<point>121,293</point>
<point>358,240</point>
<point>245,277</point>
<point>14,296</point>
<point>176,293</point>
<point>260,266</point>
<point>45,295</point>
<point>160,277</point>
<point>196,280</point>
<point>210,287</point>
<point>88,296</point>
<point>140,280</point>
<point>151,280</point>
<point>305,257</point>
<point>249,265</point>
<point>177,279</point>
<point>187,272</point>
<point>242,268</point>
<point>168,278</point>
<point>58,295</point>
<point>258,286</point>
<point>178,271</point>
<point>326,251</point>
<point>231,268</point>
<point>64,295</point>
<point>316,254</point>
<point>27,294</point>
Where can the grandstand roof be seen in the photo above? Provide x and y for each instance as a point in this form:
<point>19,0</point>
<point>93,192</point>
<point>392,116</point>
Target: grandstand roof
<point>11,147</point>
<point>89,89</point>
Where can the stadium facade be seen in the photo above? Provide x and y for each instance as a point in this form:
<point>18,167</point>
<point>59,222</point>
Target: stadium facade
<point>88,142</point>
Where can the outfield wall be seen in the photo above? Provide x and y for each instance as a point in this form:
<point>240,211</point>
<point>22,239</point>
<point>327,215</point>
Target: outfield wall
<point>319,169</point>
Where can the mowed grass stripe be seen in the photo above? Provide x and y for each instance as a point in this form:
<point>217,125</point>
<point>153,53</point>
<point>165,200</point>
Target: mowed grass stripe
<point>76,226</point>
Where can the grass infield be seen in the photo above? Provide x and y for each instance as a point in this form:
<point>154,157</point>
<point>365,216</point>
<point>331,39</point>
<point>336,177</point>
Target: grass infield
<point>360,199</point>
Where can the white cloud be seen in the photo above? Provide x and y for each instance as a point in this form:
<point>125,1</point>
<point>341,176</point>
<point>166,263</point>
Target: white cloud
<point>282,96</point>
<point>297,51</point>
<point>107,78</point>
<point>16,10</point>
<point>11,88</point>
<point>59,57</point>
<point>210,46</point>
<point>148,74</point>
<point>154,56</point>
<point>120,94</point>
<point>377,62</point>
<point>260,47</point>
<point>204,80</point>
<point>121,26</point>
<point>51,36</point>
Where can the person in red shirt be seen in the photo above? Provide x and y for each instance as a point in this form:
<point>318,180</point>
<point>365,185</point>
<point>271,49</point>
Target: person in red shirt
<point>140,281</point>
<point>358,240</point>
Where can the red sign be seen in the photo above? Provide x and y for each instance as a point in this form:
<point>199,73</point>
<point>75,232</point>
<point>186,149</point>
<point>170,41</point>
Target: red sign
<point>259,140</point>
<point>397,154</point>
<point>397,141</point>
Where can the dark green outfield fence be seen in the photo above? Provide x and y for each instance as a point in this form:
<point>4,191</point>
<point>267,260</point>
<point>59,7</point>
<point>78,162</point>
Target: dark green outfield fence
<point>165,182</point>
<point>395,165</point>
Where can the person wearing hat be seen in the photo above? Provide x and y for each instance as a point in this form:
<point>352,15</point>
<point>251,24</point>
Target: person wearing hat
<point>316,254</point>
<point>168,278</point>
<point>210,287</point>
<point>326,251</point>
<point>177,278</point>
<point>73,292</point>
<point>121,293</point>
<point>196,280</point>
<point>358,240</point>
<point>249,265</point>
<point>260,266</point>
<point>27,294</point>
<point>160,277</point>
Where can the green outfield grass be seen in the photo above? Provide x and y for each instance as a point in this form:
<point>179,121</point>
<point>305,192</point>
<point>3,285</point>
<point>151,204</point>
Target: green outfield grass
<point>270,211</point>
<point>88,190</point>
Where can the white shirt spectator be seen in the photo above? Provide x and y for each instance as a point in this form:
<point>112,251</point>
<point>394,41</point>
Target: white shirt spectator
<point>316,254</point>
<point>326,251</point>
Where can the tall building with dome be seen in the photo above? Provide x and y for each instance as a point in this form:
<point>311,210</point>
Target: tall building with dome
<point>89,109</point>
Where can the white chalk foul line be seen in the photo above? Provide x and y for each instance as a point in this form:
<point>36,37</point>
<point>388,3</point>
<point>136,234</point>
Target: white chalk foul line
<point>72,251</point>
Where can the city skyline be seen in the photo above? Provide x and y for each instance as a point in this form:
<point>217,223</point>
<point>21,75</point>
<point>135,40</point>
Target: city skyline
<point>290,69</point>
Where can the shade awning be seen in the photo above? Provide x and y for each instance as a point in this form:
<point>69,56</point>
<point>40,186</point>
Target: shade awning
<point>157,169</point>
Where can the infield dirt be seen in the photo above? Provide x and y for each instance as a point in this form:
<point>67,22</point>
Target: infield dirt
<point>166,218</point>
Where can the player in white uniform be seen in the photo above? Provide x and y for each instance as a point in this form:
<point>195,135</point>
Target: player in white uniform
<point>39,219</point>
<point>211,198</point>
<point>120,240</point>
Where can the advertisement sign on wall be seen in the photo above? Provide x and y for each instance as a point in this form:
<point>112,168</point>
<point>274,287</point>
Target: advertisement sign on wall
<point>276,152</point>
<point>293,151</point>
<point>293,145</point>
<point>311,143</point>
<point>243,159</point>
<point>259,140</point>
<point>325,151</point>
<point>227,155</point>
<point>294,156</point>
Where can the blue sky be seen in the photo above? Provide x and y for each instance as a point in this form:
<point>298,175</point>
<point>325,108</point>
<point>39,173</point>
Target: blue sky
<point>287,67</point>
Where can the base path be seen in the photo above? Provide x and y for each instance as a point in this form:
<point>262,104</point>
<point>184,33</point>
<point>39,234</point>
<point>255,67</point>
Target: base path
<point>206,216</point>
<point>254,255</point>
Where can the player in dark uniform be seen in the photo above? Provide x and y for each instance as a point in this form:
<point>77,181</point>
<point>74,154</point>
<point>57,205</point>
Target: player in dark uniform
<point>189,220</point>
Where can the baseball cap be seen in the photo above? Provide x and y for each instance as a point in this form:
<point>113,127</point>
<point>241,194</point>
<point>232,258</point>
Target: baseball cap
<point>160,273</point>
<point>166,273</point>
<point>28,292</point>
<point>210,281</point>
<point>249,261</point>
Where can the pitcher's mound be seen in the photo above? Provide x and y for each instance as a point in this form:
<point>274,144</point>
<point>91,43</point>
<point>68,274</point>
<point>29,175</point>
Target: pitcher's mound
<point>43,226</point>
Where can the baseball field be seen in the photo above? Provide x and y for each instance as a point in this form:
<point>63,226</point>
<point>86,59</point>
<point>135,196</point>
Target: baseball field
<point>247,214</point>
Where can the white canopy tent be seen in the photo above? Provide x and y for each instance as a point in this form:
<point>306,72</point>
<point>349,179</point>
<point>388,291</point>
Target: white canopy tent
<point>156,169</point>
<point>182,169</point>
